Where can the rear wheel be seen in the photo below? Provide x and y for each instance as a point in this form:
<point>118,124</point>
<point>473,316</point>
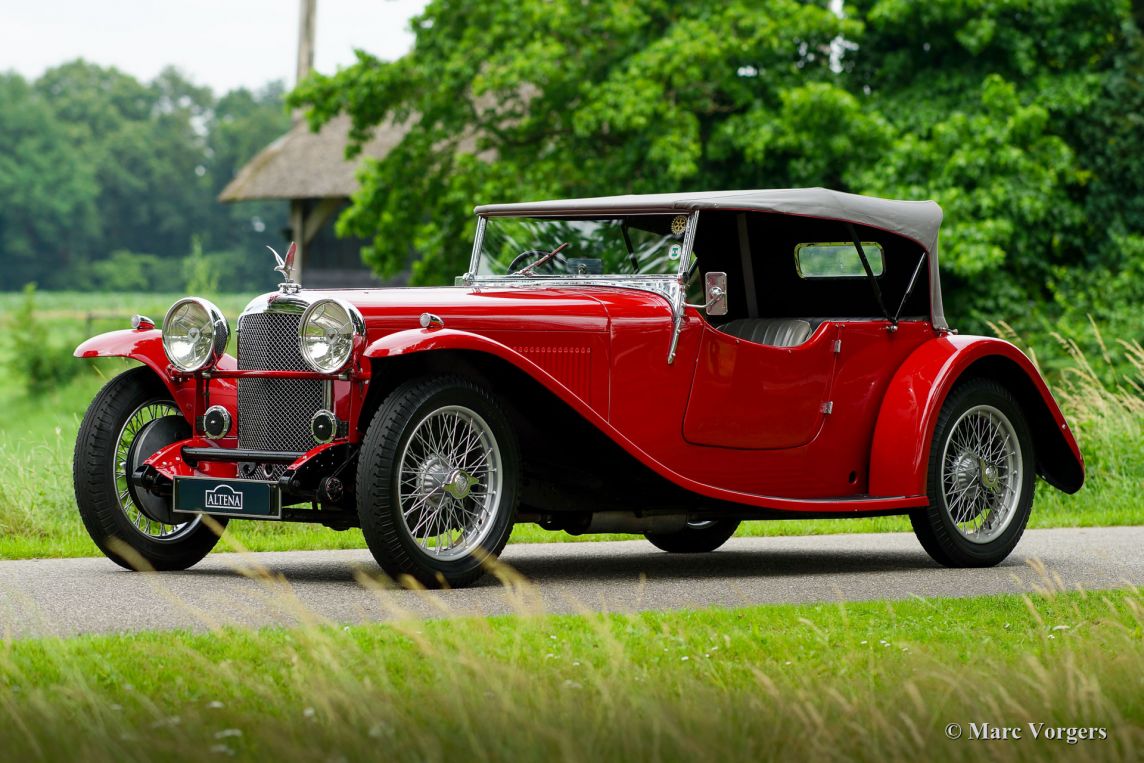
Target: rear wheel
<point>437,481</point>
<point>131,418</point>
<point>981,478</point>
<point>696,538</point>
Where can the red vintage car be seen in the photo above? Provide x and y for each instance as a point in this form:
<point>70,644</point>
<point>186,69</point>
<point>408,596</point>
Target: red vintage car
<point>670,365</point>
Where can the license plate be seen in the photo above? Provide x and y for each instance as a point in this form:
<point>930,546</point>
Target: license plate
<point>227,498</point>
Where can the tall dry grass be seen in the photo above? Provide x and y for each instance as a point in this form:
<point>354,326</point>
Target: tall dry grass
<point>869,682</point>
<point>1101,392</point>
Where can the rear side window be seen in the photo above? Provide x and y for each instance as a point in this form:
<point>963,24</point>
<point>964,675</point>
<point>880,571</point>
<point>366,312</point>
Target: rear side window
<point>837,260</point>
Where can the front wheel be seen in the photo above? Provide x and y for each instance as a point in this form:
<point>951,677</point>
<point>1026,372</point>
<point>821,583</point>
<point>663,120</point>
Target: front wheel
<point>696,537</point>
<point>438,481</point>
<point>131,418</point>
<point>981,478</point>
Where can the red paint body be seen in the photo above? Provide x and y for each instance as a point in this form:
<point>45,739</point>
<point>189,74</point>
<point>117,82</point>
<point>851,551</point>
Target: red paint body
<point>728,419</point>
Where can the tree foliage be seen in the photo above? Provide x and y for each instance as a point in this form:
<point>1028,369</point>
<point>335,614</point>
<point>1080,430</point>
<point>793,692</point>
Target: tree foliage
<point>96,167</point>
<point>1017,116</point>
<point>47,188</point>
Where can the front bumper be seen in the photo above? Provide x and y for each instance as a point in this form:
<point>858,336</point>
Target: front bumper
<point>306,478</point>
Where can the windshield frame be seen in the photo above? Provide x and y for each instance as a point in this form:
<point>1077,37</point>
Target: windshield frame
<point>617,279</point>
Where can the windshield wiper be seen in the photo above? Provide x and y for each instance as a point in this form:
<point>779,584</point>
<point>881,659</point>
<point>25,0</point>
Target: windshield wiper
<point>525,270</point>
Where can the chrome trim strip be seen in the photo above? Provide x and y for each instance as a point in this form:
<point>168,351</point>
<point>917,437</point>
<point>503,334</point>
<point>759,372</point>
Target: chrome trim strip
<point>277,302</point>
<point>663,286</point>
<point>677,306</point>
<point>478,239</point>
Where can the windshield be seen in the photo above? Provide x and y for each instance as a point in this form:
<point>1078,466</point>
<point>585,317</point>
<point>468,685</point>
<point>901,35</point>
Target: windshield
<point>631,245</point>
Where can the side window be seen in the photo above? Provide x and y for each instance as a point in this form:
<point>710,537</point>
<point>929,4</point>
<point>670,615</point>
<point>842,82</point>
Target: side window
<point>837,260</point>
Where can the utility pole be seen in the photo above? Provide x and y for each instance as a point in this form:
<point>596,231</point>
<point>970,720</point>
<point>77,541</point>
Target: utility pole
<point>307,21</point>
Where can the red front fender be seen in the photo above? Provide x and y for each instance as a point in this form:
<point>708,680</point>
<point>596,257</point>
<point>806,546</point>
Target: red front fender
<point>146,347</point>
<point>900,453</point>
<point>423,340</point>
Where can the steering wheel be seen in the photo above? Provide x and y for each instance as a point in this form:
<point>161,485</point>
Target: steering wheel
<point>519,260</point>
<point>541,256</point>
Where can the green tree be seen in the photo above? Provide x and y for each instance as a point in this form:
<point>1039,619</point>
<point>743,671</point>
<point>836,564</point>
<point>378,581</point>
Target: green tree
<point>242,123</point>
<point>98,167</point>
<point>512,99</point>
<point>1018,116</point>
<point>47,190</point>
<point>1015,116</point>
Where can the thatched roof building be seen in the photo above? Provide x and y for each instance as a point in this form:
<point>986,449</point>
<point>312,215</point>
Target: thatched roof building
<point>310,170</point>
<point>307,164</point>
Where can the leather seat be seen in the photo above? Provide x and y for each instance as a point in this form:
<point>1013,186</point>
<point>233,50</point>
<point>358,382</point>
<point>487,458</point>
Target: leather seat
<point>776,332</point>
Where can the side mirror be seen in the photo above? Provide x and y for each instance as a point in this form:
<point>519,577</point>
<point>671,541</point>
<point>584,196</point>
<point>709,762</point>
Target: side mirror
<point>716,294</point>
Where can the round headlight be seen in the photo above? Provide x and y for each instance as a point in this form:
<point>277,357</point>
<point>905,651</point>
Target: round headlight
<point>329,331</point>
<point>194,334</point>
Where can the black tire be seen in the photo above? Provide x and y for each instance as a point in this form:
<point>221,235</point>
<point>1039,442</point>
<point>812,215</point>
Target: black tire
<point>94,478</point>
<point>379,486</point>
<point>695,540</point>
<point>934,525</point>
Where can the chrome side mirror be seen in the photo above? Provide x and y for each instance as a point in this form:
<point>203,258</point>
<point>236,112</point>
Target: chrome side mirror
<point>716,294</point>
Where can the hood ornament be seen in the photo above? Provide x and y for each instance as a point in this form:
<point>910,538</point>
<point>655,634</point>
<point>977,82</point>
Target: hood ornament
<point>286,268</point>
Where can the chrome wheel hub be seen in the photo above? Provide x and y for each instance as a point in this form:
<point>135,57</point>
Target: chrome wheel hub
<point>449,482</point>
<point>144,525</point>
<point>982,474</point>
<point>965,471</point>
<point>433,474</point>
<point>990,476</point>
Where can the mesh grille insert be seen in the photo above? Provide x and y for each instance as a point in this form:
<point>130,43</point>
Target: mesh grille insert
<point>274,414</point>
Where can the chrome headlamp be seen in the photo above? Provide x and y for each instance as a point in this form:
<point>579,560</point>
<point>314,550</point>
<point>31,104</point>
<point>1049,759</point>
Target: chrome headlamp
<point>195,334</point>
<point>329,332</point>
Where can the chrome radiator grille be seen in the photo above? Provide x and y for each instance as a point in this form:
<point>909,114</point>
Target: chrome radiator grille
<point>274,414</point>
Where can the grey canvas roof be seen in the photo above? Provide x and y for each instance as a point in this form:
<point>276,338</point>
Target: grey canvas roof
<point>918,221</point>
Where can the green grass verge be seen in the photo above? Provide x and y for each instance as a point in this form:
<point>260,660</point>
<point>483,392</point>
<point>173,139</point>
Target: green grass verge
<point>37,434</point>
<point>862,681</point>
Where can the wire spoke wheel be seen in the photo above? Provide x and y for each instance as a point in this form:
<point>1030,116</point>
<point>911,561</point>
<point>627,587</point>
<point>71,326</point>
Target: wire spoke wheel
<point>980,477</point>
<point>982,473</point>
<point>131,418</point>
<point>140,522</point>
<point>450,482</point>
<point>437,482</point>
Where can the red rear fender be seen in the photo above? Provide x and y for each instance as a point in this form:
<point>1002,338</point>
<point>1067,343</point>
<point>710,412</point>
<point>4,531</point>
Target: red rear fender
<point>900,453</point>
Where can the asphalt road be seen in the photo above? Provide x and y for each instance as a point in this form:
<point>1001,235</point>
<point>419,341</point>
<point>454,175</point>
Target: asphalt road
<point>71,596</point>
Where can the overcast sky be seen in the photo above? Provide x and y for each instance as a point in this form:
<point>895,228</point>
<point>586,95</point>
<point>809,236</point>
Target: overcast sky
<point>220,43</point>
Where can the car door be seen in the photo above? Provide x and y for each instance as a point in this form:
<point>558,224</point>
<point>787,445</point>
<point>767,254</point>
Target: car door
<point>753,396</point>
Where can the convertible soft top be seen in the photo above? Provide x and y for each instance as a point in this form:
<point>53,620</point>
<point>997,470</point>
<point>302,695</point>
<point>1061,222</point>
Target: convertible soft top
<point>918,221</point>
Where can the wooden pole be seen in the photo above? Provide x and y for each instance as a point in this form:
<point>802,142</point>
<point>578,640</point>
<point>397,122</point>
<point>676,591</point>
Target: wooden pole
<point>307,21</point>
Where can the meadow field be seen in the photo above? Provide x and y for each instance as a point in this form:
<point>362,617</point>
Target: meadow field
<point>1099,393</point>
<point>874,681</point>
